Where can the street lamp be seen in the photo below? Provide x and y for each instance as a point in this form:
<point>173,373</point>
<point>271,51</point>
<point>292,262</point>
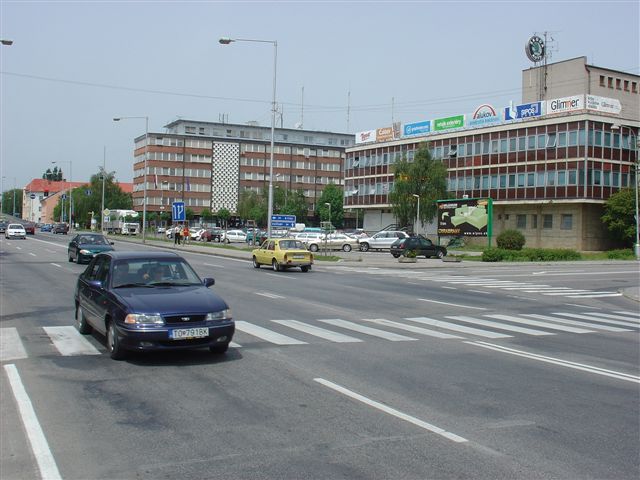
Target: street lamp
<point>69,181</point>
<point>418,219</point>
<point>144,188</point>
<point>227,41</point>
<point>104,173</point>
<point>6,42</point>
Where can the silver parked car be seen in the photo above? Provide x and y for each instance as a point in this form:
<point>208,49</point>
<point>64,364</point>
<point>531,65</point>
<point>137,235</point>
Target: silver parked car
<point>334,241</point>
<point>381,240</point>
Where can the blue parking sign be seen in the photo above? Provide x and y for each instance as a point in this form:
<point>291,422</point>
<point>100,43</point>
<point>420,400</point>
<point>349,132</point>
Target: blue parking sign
<point>178,212</point>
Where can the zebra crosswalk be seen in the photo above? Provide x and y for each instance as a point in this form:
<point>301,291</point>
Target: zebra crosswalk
<point>481,282</point>
<point>67,341</point>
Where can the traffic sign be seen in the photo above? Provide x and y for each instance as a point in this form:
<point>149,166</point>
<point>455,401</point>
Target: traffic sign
<point>63,196</point>
<point>32,196</point>
<point>106,212</point>
<point>88,192</point>
<point>178,213</point>
<point>283,221</point>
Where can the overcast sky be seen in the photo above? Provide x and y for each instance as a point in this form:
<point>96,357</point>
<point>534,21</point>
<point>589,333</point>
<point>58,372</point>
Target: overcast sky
<point>74,66</point>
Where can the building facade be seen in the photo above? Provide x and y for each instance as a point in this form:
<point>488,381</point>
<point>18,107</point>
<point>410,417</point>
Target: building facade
<point>208,165</point>
<point>549,165</point>
<point>37,191</point>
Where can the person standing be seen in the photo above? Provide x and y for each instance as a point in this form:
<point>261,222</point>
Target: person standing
<point>185,234</point>
<point>176,234</point>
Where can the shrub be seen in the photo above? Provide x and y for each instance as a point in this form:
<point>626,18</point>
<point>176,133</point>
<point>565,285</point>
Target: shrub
<point>411,253</point>
<point>493,255</point>
<point>622,254</point>
<point>510,240</point>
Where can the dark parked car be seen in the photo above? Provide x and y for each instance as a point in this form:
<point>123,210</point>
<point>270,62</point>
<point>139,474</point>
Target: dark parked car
<point>3,226</point>
<point>212,235</point>
<point>421,245</point>
<point>60,228</point>
<point>30,228</point>
<point>146,301</point>
<point>47,227</point>
<point>85,246</point>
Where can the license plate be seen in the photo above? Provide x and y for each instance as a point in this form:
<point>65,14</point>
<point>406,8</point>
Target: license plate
<point>186,333</point>
<point>298,256</point>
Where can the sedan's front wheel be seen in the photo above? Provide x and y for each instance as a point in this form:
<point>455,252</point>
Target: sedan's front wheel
<point>70,258</point>
<point>364,247</point>
<point>275,265</point>
<point>81,322</point>
<point>255,263</point>
<point>113,343</point>
<point>346,247</point>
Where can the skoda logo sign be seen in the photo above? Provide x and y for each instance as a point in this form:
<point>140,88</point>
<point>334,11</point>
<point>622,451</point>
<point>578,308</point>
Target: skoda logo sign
<point>185,319</point>
<point>535,49</point>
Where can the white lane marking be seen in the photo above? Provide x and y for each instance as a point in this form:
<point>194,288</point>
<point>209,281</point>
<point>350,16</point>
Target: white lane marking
<point>538,287</point>
<point>374,332</point>
<point>600,320</point>
<point>590,326</point>
<point>235,345</point>
<point>56,265</point>
<point>11,347</point>
<point>213,265</point>
<point>582,306</point>
<point>268,295</point>
<point>536,323</point>
<point>39,446</point>
<point>391,411</point>
<point>265,334</point>
<point>567,292</point>
<point>279,275</point>
<point>624,318</point>
<point>452,304</point>
<point>51,243</point>
<point>558,361</point>
<point>68,341</point>
<point>50,251</point>
<point>63,268</point>
<point>480,291</point>
<point>500,326</point>
<point>410,328</point>
<point>448,288</point>
<point>457,328</point>
<point>32,254</point>
<point>596,295</point>
<point>629,313</point>
<point>317,331</point>
<point>18,248</point>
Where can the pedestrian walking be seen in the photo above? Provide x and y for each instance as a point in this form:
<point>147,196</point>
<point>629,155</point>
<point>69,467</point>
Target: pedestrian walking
<point>185,234</point>
<point>176,234</point>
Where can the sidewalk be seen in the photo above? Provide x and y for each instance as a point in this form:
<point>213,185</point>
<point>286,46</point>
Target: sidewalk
<point>371,259</point>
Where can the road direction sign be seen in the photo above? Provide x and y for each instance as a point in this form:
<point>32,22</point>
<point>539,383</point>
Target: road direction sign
<point>178,213</point>
<point>283,221</point>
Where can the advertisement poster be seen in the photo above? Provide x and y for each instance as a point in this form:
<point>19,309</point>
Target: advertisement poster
<point>470,217</point>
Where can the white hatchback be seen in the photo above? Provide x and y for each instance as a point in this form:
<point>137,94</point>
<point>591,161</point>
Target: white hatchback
<point>235,236</point>
<point>15,230</point>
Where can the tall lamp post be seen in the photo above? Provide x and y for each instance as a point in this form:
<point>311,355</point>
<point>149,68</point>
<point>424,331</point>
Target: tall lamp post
<point>144,188</point>
<point>104,173</point>
<point>418,216</point>
<point>227,41</point>
<point>70,179</point>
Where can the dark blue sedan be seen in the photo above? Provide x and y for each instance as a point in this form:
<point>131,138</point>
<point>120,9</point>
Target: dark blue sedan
<point>150,301</point>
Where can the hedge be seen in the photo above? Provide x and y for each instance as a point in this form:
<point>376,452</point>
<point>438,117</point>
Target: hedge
<point>529,255</point>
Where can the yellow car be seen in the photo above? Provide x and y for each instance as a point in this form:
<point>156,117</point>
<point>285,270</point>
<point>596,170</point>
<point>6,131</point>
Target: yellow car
<point>282,253</point>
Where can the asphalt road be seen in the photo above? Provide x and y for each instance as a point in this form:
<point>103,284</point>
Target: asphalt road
<point>535,376</point>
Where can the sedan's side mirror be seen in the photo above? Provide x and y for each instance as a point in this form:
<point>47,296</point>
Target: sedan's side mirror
<point>207,282</point>
<point>112,243</point>
<point>95,283</point>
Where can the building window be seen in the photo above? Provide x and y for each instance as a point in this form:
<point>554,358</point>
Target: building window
<point>503,181</point>
<point>547,221</point>
<point>602,81</point>
<point>626,85</point>
<point>531,142</point>
<point>521,180</point>
<point>610,82</point>
<point>512,180</point>
<point>534,221</point>
<point>566,222</point>
<point>562,139</point>
<point>596,177</point>
<point>521,222</point>
<point>562,178</point>
<point>618,84</point>
<point>531,179</point>
<point>551,140</point>
<point>634,87</point>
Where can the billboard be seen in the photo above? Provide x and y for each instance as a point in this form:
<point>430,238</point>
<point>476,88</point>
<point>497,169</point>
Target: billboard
<point>417,128</point>
<point>366,137</point>
<point>525,110</point>
<point>483,116</point>
<point>603,104</point>
<point>470,217</point>
<point>384,134</point>
<point>565,104</point>
<point>448,123</point>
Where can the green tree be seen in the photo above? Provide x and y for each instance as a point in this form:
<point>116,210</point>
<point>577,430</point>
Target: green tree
<point>252,206</point>
<point>206,216</point>
<point>223,215</point>
<point>619,216</point>
<point>424,176</point>
<point>7,201</point>
<point>189,214</point>
<point>333,195</point>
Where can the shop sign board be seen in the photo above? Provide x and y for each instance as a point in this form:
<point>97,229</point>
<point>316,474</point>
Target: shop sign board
<point>603,104</point>
<point>448,123</point>
<point>367,136</point>
<point>416,128</point>
<point>565,104</point>
<point>525,110</point>
<point>484,115</point>
<point>384,134</point>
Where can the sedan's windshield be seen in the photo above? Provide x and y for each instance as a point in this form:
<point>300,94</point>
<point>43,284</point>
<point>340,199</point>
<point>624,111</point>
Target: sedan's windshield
<point>152,272</point>
<point>92,240</point>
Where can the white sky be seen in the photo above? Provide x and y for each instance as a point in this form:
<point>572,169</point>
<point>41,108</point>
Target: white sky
<point>76,65</point>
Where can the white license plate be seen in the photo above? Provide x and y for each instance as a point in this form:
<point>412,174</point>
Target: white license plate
<point>186,333</point>
<point>298,256</point>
